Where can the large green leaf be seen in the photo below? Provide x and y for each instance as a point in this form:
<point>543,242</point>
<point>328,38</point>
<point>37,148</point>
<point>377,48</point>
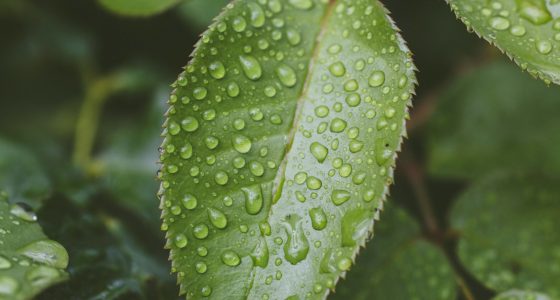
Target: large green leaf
<point>280,145</point>
<point>29,261</point>
<point>528,31</point>
<point>138,7</point>
<point>399,264</point>
<point>495,118</point>
<point>509,232</point>
<point>21,175</point>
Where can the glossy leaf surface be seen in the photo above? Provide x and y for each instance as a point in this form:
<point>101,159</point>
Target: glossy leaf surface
<point>29,261</point>
<point>280,145</point>
<point>528,31</point>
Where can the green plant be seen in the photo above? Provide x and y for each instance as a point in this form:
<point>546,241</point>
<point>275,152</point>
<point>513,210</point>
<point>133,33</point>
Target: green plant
<point>280,144</point>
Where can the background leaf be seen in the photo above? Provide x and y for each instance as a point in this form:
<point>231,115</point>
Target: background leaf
<point>521,295</point>
<point>21,175</point>
<point>273,173</point>
<point>398,264</point>
<point>138,7</point>
<point>29,261</point>
<point>494,118</point>
<point>528,31</point>
<point>508,233</point>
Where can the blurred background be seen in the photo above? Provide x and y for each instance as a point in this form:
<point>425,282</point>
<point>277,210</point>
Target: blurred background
<point>82,97</point>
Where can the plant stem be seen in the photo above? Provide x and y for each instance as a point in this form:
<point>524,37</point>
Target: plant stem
<point>97,92</point>
<point>416,176</point>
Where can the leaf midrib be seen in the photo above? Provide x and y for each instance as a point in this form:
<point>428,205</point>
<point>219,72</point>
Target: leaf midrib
<point>281,173</point>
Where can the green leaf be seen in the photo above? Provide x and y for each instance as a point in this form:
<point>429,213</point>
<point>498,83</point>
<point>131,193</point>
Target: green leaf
<point>21,175</point>
<point>138,8</point>
<point>399,264</point>
<point>108,261</point>
<point>521,295</point>
<point>29,261</point>
<point>509,232</point>
<point>280,144</point>
<point>528,31</point>
<point>494,118</point>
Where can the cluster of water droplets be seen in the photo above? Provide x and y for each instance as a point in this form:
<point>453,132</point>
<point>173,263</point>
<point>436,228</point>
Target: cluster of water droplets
<point>26,267</point>
<point>272,156</point>
<point>530,24</point>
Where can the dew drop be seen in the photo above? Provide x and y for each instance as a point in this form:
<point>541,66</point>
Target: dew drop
<point>221,178</point>
<point>217,70</point>
<point>499,23</point>
<point>230,258</point>
<point>253,199</point>
<point>47,252</point>
<point>534,11</point>
<point>233,89</point>
<point>239,24</point>
<point>313,183</point>
<point>8,286</point>
<point>544,47</point>
<point>294,38</point>
<point>241,143</point>
<point>376,79</point>
<point>181,241</point>
<point>200,231</point>
<point>338,197</point>
<point>337,125</point>
<point>24,213</point>
<point>260,255</point>
<point>251,67</point>
<point>189,202</point>
<point>301,4</point>
<point>354,227</point>
<point>318,218</point>
<point>286,75</point>
<point>337,69</point>
<point>217,218</point>
<point>257,15</point>
<point>189,124</point>
<point>319,151</point>
<point>297,245</point>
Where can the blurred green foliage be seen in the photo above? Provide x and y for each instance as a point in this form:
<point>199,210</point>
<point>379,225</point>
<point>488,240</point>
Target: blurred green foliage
<point>475,115</point>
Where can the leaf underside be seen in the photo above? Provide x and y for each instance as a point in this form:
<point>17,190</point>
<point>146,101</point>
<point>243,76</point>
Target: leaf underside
<point>279,146</point>
<point>528,31</point>
<point>29,261</point>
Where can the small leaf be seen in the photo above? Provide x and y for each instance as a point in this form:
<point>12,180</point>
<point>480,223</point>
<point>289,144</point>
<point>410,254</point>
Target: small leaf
<point>508,226</point>
<point>21,175</point>
<point>138,8</point>
<point>399,264</point>
<point>280,144</point>
<point>494,118</point>
<point>29,261</point>
<point>528,31</point>
<point>521,295</point>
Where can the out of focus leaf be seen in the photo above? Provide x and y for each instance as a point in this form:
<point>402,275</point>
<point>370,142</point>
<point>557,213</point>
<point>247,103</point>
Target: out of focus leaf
<point>528,31</point>
<point>21,175</point>
<point>399,264</point>
<point>201,12</point>
<point>29,261</point>
<point>509,232</point>
<point>129,160</point>
<point>521,295</point>
<point>138,8</point>
<point>107,261</point>
<point>495,118</point>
